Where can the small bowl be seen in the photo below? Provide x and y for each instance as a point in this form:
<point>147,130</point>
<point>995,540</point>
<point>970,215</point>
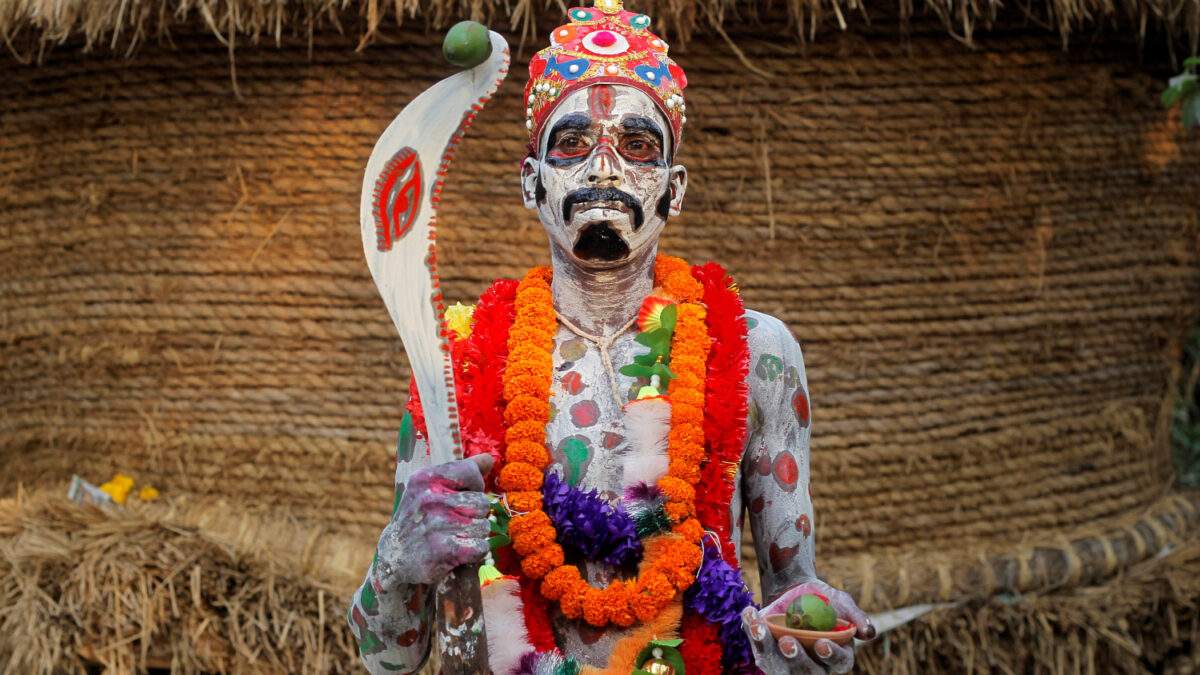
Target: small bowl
<point>841,636</point>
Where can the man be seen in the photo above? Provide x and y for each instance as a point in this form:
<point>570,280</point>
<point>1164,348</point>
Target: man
<point>617,388</point>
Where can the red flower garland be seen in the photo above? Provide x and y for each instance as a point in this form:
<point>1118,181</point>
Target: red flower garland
<point>536,609</point>
<point>479,363</point>
<point>725,406</point>
<point>701,648</point>
<point>483,356</point>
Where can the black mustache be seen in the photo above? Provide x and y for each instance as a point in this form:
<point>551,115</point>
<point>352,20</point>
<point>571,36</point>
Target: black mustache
<point>604,194</point>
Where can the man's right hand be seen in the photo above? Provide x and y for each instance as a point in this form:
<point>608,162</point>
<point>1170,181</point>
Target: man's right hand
<point>440,523</point>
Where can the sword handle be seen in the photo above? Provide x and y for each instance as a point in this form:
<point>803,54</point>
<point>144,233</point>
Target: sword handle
<point>462,641</point>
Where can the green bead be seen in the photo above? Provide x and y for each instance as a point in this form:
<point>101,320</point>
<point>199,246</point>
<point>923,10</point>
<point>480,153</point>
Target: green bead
<point>467,44</point>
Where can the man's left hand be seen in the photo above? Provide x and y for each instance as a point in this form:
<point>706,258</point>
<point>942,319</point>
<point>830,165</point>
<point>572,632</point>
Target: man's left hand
<point>786,655</point>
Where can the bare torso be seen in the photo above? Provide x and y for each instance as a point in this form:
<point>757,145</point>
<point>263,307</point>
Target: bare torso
<point>588,444</point>
<point>588,447</point>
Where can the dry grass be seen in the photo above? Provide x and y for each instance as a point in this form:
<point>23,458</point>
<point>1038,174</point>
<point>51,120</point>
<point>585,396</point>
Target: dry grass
<point>144,587</point>
<point>125,23</point>
<point>1145,620</point>
<point>140,587</point>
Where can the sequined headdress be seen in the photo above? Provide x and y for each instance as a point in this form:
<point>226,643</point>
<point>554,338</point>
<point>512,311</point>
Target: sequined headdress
<point>604,44</point>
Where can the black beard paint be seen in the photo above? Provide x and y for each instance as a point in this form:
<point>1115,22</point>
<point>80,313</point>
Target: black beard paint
<point>606,194</point>
<point>601,242</point>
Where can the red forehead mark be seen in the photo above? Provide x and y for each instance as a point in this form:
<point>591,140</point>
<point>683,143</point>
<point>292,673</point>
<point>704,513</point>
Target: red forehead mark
<point>600,101</point>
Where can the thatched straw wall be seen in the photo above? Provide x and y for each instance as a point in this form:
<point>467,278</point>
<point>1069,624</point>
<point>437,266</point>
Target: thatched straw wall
<point>118,23</point>
<point>989,254</point>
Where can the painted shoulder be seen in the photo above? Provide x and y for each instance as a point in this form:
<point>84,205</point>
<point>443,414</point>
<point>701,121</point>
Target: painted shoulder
<point>777,376</point>
<point>769,335</point>
<point>767,324</point>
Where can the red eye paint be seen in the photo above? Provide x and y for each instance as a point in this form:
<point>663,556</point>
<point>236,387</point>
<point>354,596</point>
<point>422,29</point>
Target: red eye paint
<point>568,148</point>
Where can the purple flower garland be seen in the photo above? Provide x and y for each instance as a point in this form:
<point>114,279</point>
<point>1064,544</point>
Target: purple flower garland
<point>589,523</point>
<point>605,532</point>
<point>719,595</point>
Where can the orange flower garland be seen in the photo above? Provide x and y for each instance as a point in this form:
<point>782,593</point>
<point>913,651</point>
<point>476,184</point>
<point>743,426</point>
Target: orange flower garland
<point>527,381</point>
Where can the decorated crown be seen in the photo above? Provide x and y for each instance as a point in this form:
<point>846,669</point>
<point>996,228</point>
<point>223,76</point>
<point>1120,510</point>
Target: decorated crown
<point>603,45</point>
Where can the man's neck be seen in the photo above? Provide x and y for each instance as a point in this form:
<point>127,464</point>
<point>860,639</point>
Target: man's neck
<point>600,302</point>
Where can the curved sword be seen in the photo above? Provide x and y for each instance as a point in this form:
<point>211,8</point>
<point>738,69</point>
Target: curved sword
<point>397,214</point>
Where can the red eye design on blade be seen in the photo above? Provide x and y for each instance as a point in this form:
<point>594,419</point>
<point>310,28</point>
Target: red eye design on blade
<point>397,197</point>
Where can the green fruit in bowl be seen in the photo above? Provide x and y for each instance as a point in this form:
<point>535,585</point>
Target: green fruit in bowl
<point>811,612</point>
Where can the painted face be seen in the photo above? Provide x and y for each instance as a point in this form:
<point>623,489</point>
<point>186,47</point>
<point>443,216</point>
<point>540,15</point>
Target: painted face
<point>602,183</point>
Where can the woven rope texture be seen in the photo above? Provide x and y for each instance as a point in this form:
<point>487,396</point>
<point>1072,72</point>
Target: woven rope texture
<point>987,255</point>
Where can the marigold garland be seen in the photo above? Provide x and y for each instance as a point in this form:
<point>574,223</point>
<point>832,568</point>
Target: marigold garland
<point>527,381</point>
<point>487,412</point>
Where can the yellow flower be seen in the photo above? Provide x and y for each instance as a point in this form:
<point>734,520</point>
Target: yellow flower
<point>118,488</point>
<point>118,491</point>
<point>460,318</point>
<point>148,493</point>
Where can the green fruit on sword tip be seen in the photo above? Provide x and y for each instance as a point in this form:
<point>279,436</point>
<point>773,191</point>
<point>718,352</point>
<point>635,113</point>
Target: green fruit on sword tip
<point>467,44</point>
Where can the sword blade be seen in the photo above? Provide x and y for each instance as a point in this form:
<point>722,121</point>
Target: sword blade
<point>397,214</point>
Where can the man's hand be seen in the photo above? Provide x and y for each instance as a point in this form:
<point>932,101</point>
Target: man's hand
<point>786,655</point>
<point>440,523</point>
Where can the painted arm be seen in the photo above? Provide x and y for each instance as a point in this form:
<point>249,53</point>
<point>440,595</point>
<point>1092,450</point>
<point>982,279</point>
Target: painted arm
<point>439,521</point>
<point>778,495</point>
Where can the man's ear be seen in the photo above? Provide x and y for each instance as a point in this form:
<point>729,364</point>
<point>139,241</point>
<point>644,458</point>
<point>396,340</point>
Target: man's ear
<point>678,187</point>
<point>529,182</point>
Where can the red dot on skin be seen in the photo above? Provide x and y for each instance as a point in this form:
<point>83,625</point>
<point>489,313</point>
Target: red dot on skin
<point>407,638</point>
<point>590,635</point>
<point>800,403</point>
<point>803,525</point>
<point>782,557</point>
<point>604,39</point>
<point>585,413</point>
<point>787,472</point>
<point>573,383</point>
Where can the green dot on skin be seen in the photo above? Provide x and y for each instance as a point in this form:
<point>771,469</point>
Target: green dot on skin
<point>467,44</point>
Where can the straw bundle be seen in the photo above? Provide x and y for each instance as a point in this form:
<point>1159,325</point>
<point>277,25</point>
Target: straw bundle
<point>146,587</point>
<point>1145,621</point>
<point>141,587</point>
